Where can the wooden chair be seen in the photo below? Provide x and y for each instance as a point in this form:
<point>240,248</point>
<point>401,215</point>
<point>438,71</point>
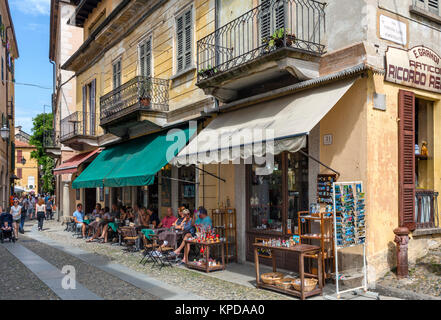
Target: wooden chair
<point>129,237</point>
<point>149,246</point>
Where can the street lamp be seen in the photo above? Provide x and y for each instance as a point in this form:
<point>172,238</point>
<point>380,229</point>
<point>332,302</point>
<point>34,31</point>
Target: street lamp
<point>4,132</point>
<point>23,161</point>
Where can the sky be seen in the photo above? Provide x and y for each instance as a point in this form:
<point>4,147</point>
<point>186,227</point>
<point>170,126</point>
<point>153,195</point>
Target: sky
<point>31,23</point>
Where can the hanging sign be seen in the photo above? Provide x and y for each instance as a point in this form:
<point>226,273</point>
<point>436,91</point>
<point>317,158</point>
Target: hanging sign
<point>419,67</point>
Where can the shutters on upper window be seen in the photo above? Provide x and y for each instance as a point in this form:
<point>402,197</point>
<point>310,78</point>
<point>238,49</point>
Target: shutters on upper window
<point>184,30</point>
<point>145,58</point>
<point>272,17</point>
<point>117,74</point>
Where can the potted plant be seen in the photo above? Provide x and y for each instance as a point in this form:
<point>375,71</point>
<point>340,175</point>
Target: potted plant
<point>276,40</point>
<point>144,97</point>
<point>208,72</point>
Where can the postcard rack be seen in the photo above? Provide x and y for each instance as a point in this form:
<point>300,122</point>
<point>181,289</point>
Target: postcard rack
<point>224,220</point>
<point>349,224</point>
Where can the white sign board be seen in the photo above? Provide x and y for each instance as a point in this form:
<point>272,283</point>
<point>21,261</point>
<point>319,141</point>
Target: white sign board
<point>393,30</point>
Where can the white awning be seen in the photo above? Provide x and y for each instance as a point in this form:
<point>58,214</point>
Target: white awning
<point>268,127</point>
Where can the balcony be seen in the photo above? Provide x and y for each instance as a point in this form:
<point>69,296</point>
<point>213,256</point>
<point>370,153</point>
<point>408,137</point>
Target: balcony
<point>79,131</point>
<point>138,105</point>
<point>279,39</point>
<point>51,143</point>
<point>426,209</point>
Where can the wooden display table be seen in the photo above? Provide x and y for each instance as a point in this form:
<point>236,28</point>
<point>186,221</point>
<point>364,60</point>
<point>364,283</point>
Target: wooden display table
<point>207,246</point>
<point>301,250</point>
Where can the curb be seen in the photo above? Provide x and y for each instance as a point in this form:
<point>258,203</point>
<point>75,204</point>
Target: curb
<point>403,293</point>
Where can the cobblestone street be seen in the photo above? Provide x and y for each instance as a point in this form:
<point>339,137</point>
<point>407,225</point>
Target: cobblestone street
<point>424,276</point>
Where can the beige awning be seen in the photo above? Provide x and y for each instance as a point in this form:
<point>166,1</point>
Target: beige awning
<point>269,127</point>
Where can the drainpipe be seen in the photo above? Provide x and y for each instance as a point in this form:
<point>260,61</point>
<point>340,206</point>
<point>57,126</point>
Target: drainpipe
<point>8,181</point>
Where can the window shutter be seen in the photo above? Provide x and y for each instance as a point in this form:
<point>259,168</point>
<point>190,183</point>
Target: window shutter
<point>265,20</point>
<point>279,14</point>
<point>19,155</point>
<point>180,43</point>
<point>433,6</point>
<point>84,116</point>
<point>406,114</point>
<point>142,59</point>
<point>114,77</point>
<point>148,58</point>
<point>188,37</point>
<point>92,107</point>
<point>19,173</point>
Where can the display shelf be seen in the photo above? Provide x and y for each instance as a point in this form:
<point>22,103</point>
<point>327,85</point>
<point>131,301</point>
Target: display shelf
<point>325,237</point>
<point>224,221</point>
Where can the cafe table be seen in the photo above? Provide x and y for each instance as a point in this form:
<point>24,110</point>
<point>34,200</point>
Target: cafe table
<point>207,245</point>
<point>302,250</point>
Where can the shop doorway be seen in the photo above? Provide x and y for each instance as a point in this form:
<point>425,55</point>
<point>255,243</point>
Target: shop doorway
<point>89,200</point>
<point>187,190</point>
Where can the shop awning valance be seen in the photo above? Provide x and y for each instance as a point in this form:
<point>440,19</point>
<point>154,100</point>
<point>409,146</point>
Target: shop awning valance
<point>246,132</point>
<point>133,163</point>
<point>71,165</point>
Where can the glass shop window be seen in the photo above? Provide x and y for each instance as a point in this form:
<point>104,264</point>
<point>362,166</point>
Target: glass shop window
<point>266,198</point>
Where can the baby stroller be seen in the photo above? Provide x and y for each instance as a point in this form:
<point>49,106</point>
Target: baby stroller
<point>7,234</point>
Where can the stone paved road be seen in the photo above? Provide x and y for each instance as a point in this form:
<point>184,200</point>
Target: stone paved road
<point>101,283</point>
<point>18,283</point>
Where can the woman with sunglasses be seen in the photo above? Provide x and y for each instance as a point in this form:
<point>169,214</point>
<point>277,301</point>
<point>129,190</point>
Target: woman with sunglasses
<point>16,217</point>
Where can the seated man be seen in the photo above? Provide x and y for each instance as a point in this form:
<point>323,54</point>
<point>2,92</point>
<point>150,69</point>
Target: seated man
<point>168,220</point>
<point>204,219</point>
<point>78,217</point>
<point>154,219</point>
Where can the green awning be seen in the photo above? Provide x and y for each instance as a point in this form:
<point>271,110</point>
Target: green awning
<point>135,162</point>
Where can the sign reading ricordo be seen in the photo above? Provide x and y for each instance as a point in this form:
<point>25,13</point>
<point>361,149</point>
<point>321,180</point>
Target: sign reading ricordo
<point>419,67</point>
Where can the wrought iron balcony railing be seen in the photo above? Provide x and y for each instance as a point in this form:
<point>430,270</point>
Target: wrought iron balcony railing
<point>79,124</point>
<point>51,139</point>
<point>297,24</point>
<point>140,93</point>
<point>426,209</point>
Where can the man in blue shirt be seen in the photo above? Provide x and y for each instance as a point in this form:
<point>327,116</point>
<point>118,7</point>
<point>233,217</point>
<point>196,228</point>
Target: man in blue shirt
<point>203,219</point>
<point>78,216</point>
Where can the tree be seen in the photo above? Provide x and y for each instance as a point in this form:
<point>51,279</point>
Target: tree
<point>42,124</point>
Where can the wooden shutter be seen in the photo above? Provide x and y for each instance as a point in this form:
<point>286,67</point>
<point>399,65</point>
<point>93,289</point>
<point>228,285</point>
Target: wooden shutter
<point>265,20</point>
<point>92,107</point>
<point>19,156</point>
<point>19,173</point>
<point>279,15</point>
<point>145,58</point>
<point>83,119</point>
<point>188,38</point>
<point>180,43</point>
<point>406,145</point>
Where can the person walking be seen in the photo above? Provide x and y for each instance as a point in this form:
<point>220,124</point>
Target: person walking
<point>24,211</point>
<point>49,212</point>
<point>16,217</point>
<point>31,212</point>
<point>40,208</point>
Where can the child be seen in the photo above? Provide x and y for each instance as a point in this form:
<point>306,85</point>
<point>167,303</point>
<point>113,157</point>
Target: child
<point>6,227</point>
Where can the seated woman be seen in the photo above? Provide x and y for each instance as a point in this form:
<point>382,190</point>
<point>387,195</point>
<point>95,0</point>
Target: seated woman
<point>143,219</point>
<point>109,217</point>
<point>153,217</point>
<point>179,223</point>
<point>126,214</point>
<point>189,231</point>
<point>96,224</point>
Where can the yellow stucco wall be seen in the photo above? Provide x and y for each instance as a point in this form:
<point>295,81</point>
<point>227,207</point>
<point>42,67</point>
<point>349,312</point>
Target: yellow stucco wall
<point>29,169</point>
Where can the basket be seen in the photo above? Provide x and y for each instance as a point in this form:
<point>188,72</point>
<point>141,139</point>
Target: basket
<point>309,284</point>
<point>271,277</point>
<point>285,283</point>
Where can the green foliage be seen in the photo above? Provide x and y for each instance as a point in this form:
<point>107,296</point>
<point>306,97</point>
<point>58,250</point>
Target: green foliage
<point>43,123</point>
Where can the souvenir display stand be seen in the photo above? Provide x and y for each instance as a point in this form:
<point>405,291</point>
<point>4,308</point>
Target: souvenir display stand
<point>302,287</point>
<point>325,237</point>
<point>206,264</point>
<point>224,221</point>
<point>349,225</point>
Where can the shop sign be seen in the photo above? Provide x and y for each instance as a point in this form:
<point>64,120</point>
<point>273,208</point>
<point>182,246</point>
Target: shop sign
<point>419,67</point>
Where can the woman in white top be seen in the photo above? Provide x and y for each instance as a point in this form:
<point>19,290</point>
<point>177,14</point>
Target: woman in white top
<point>40,208</point>
<point>16,217</point>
